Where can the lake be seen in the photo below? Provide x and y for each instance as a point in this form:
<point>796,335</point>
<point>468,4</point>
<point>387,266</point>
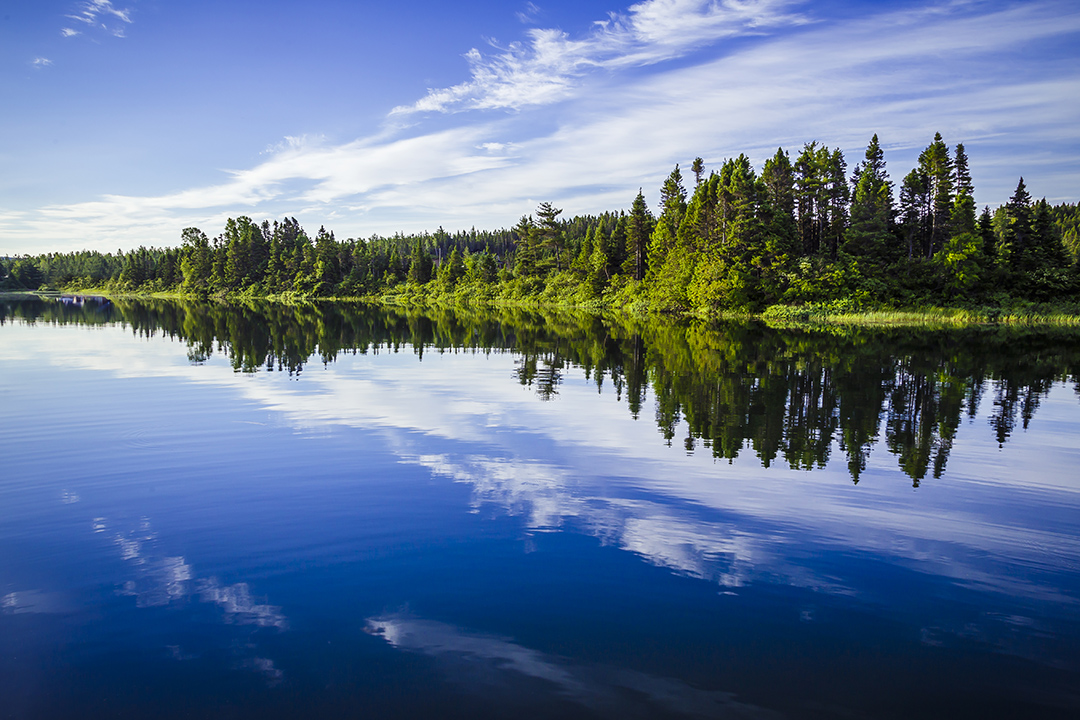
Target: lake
<point>264,510</point>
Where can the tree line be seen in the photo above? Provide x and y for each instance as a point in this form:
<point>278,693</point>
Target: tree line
<point>798,232</point>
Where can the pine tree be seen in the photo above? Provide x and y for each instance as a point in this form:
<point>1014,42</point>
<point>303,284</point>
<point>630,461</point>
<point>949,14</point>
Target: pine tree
<point>551,235</point>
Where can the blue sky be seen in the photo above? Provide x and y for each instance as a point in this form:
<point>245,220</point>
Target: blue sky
<point>125,121</point>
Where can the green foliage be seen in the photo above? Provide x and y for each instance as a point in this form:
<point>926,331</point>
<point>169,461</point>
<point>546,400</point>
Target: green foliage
<point>961,262</point>
<point>420,264</point>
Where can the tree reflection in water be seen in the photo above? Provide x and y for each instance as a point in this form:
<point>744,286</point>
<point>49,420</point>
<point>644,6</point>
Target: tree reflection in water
<point>788,393</point>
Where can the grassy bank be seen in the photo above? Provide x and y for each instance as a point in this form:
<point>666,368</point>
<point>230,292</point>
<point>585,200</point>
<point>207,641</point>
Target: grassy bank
<point>627,302</point>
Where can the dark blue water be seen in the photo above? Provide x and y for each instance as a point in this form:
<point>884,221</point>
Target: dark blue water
<point>535,516</point>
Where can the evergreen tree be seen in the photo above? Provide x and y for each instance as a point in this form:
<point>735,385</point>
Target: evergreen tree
<point>779,179</point>
<point>1047,251</point>
<point>272,280</point>
<point>672,209</point>
<point>729,272</point>
<point>986,234</point>
<point>698,168</point>
<point>962,174</point>
<point>525,255</point>
<point>962,217</point>
<point>869,235</point>
<point>196,262</point>
<point>936,166</point>
<point>420,264</point>
<point>914,211</point>
<point>453,269</point>
<point>1015,235</point>
<point>837,196</point>
<point>550,234</point>
<point>637,238</point>
<point>599,262</point>
<point>582,262</point>
<point>327,263</point>
<point>810,197</point>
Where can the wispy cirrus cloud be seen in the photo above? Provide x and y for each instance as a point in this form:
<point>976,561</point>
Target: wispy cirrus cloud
<point>99,14</point>
<point>528,14</point>
<point>548,66</point>
<point>41,62</point>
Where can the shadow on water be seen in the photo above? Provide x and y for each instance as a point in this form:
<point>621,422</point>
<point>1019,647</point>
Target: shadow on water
<point>786,395</point>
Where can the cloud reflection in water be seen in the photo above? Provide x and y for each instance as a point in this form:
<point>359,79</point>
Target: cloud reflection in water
<point>607,691</point>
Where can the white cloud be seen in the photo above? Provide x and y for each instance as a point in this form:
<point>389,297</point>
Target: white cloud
<point>528,14</point>
<point>41,62</point>
<point>548,66</point>
<point>99,14</point>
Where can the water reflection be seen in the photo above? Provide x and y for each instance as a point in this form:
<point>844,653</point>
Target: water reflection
<point>606,691</point>
<point>785,395</point>
<point>639,553</point>
<point>162,581</point>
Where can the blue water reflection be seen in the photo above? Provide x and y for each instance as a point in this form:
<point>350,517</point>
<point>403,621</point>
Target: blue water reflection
<point>485,531</point>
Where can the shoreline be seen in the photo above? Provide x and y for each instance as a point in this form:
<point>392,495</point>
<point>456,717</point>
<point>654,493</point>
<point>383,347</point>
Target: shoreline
<point>825,314</point>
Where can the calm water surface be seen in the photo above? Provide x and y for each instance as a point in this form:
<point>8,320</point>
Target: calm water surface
<point>335,511</point>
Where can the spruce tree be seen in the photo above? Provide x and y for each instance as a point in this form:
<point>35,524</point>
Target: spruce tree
<point>637,237</point>
<point>1016,233</point>
<point>672,209</point>
<point>962,174</point>
<point>962,217</point>
<point>837,196</point>
<point>778,178</point>
<point>810,203</point>
<point>936,165</point>
<point>869,234</point>
<point>914,211</point>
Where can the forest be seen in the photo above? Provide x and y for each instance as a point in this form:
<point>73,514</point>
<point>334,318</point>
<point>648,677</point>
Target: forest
<point>799,233</point>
